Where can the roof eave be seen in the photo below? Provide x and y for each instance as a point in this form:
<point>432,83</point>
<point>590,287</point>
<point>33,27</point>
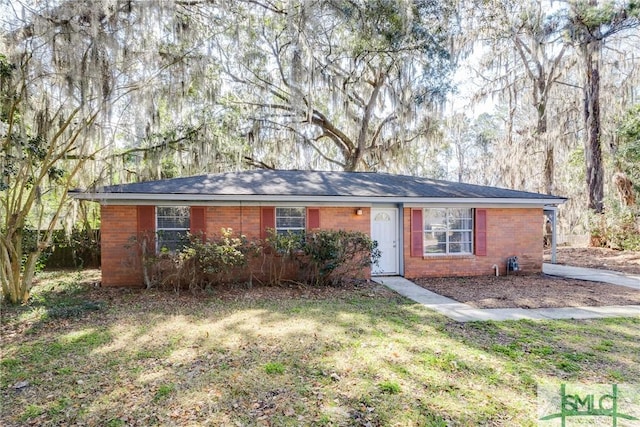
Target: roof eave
<point>147,197</point>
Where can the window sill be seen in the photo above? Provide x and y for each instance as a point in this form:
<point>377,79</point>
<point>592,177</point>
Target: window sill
<point>448,256</point>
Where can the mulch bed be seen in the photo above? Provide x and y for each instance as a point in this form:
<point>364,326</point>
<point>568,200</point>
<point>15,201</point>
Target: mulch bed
<point>530,291</point>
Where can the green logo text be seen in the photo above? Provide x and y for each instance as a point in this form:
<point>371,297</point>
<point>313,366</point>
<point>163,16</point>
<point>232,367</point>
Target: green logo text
<point>594,405</point>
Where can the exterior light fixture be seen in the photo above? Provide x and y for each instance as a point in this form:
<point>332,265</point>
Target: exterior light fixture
<point>359,211</point>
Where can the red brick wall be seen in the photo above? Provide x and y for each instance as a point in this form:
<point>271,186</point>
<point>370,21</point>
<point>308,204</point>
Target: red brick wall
<point>120,266</point>
<point>246,220</point>
<point>345,218</point>
<point>241,219</point>
<point>509,232</point>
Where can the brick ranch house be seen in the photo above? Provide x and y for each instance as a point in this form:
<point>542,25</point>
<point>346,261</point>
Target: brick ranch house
<point>423,227</point>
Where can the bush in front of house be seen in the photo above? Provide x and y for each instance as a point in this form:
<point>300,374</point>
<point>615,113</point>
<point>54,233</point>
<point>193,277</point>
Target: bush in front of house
<point>216,260</point>
<point>204,262</point>
<point>330,256</point>
<point>324,257</point>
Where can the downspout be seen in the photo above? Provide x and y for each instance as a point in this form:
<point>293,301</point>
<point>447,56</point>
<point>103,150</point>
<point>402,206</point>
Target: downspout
<point>400,208</point>
<point>495,267</point>
<point>554,240</point>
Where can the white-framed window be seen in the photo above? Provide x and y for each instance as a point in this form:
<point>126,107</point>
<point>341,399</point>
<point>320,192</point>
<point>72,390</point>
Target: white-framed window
<point>448,231</point>
<point>291,220</point>
<point>172,227</point>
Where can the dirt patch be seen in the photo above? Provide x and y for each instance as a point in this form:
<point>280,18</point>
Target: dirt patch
<point>530,291</point>
<point>607,259</point>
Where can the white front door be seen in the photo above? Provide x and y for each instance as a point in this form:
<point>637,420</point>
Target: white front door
<point>384,230</point>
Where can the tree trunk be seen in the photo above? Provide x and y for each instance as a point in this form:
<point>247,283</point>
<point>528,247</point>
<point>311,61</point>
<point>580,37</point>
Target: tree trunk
<point>549,169</point>
<point>16,277</point>
<point>544,140</point>
<point>593,149</point>
<point>352,162</point>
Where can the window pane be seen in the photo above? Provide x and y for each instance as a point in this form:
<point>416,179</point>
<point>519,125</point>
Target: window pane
<point>171,241</point>
<point>173,226</point>
<point>173,217</point>
<point>466,242</point>
<point>435,219</point>
<point>460,219</point>
<point>448,230</point>
<point>460,242</point>
<point>461,224</point>
<point>382,216</point>
<point>290,212</point>
<point>435,242</point>
<point>173,222</point>
<point>290,219</point>
<point>289,222</point>
<point>435,249</point>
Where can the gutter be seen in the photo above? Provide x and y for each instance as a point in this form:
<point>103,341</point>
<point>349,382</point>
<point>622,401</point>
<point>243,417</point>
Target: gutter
<point>261,199</point>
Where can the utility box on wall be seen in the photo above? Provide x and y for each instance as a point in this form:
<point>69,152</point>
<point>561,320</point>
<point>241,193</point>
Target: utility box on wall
<point>512,265</point>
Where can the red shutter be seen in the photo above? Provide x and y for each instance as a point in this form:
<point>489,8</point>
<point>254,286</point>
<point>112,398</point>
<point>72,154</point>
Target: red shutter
<point>481,232</point>
<point>313,218</point>
<point>267,220</point>
<point>417,233</point>
<point>147,226</point>
<point>198,221</point>
<point>146,219</point>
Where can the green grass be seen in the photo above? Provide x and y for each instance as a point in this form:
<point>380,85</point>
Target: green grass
<point>604,345</point>
<point>274,368</point>
<point>353,357</point>
<point>163,391</point>
<point>31,411</point>
<point>389,387</point>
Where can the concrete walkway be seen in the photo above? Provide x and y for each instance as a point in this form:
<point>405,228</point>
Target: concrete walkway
<point>465,313</point>
<point>595,275</point>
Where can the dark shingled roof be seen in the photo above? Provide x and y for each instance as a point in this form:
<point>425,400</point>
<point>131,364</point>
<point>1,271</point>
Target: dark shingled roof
<point>315,183</point>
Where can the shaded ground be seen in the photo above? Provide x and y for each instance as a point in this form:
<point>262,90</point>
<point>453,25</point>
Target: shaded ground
<point>530,291</point>
<point>607,259</point>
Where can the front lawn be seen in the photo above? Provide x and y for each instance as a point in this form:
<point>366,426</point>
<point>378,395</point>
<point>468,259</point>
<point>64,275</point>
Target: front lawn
<point>356,356</point>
